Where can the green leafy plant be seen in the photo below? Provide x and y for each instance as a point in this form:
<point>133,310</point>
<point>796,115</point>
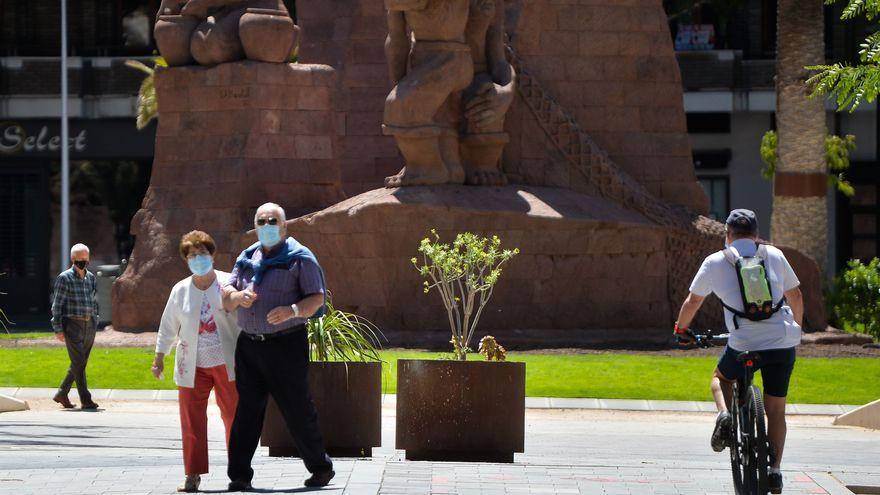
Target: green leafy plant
<point>837,150</point>
<point>856,298</point>
<point>852,85</point>
<point>464,273</point>
<point>147,104</point>
<point>342,336</point>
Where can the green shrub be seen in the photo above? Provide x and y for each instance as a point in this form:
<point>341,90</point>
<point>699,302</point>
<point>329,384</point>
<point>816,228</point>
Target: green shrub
<point>341,336</point>
<point>464,273</point>
<point>856,298</point>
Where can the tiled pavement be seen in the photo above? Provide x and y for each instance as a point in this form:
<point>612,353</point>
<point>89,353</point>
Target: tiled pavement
<point>134,447</point>
<point>531,402</point>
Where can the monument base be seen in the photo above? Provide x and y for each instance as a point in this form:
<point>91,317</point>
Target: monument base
<point>585,263</point>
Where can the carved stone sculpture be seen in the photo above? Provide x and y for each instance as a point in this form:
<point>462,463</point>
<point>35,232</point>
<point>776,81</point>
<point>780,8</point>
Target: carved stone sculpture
<point>212,32</point>
<point>423,111</point>
<point>447,108</point>
<point>489,95</point>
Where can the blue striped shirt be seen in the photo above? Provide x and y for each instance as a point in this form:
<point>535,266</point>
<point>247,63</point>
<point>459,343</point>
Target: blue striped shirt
<point>74,296</point>
<point>281,286</point>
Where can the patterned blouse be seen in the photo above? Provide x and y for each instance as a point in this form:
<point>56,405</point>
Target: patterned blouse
<point>210,349</point>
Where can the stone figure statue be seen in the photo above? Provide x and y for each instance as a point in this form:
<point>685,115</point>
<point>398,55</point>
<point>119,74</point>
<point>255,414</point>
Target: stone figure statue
<point>489,95</point>
<point>453,86</point>
<point>429,70</point>
<point>211,32</point>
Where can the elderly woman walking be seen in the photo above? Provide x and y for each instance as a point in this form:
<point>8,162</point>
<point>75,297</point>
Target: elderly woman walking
<point>206,336</point>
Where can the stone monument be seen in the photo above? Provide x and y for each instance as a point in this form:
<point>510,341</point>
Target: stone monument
<point>583,106</point>
<point>212,32</point>
<point>453,86</point>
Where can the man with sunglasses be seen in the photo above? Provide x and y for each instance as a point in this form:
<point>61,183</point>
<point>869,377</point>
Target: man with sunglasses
<point>276,286</point>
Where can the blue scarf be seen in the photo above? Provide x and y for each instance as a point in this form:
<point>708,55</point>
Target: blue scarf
<point>290,252</point>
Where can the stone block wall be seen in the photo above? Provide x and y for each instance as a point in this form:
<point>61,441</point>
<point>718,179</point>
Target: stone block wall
<point>230,138</point>
<point>611,65</point>
<point>350,36</point>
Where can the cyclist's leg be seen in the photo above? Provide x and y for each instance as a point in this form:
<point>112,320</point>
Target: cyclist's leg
<point>726,373</point>
<point>776,371</point>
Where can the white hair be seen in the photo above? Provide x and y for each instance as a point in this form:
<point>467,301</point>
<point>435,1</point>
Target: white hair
<point>267,207</point>
<point>79,248</point>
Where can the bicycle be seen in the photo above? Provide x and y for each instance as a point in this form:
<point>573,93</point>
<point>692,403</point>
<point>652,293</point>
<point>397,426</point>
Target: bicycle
<point>750,452</point>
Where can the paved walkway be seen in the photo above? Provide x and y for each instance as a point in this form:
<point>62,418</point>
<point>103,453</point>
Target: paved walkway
<point>134,447</point>
<point>531,402</point>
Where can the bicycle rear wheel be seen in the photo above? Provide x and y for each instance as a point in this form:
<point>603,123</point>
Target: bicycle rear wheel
<point>760,448</point>
<point>735,444</point>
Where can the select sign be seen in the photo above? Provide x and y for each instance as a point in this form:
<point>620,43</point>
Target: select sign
<point>15,139</point>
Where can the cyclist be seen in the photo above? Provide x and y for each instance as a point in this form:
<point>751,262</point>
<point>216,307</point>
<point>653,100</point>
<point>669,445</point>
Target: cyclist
<point>775,335</point>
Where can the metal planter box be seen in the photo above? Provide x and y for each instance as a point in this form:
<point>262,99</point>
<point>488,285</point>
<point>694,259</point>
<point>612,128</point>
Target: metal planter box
<point>460,410</point>
<point>348,397</point>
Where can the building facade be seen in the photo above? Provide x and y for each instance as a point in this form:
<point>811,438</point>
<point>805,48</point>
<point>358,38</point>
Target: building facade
<point>110,159</point>
<point>727,62</point>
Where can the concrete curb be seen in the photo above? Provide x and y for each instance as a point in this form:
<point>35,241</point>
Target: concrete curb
<point>9,404</point>
<point>531,402</point>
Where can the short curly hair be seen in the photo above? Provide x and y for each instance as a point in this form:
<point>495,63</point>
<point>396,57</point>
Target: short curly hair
<point>196,239</point>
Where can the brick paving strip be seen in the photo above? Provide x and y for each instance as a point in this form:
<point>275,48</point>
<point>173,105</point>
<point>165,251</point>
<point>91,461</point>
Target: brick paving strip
<point>134,447</point>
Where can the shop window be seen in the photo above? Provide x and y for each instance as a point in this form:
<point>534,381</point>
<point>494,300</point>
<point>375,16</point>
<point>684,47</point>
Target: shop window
<point>718,190</point>
<point>711,159</point>
<point>708,122</point>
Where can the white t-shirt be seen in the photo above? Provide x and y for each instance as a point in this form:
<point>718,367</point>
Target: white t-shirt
<point>718,275</point>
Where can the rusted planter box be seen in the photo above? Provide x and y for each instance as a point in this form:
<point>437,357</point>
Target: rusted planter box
<point>348,397</point>
<point>460,410</point>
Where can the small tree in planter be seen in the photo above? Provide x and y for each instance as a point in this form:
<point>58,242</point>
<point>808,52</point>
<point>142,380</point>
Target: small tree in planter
<point>459,410</point>
<point>345,380</point>
<point>464,273</point>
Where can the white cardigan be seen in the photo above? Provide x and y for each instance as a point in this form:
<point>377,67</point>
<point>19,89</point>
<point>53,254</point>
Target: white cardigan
<point>181,320</point>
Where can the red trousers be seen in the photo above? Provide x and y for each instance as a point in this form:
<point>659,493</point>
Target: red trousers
<point>194,414</point>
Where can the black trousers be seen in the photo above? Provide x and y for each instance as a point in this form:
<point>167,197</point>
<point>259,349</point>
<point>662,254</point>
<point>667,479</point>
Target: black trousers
<point>278,367</point>
<point>79,337</point>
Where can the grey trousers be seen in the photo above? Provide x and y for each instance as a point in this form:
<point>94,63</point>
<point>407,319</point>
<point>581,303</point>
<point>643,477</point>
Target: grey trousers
<point>79,336</point>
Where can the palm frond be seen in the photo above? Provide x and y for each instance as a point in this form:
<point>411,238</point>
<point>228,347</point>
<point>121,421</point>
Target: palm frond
<point>147,103</point>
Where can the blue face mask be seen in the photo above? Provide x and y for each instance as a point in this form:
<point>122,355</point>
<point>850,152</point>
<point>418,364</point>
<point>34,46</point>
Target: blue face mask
<point>200,265</point>
<point>269,235</point>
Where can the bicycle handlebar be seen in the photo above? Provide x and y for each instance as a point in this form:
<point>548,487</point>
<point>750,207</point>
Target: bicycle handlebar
<point>702,340</point>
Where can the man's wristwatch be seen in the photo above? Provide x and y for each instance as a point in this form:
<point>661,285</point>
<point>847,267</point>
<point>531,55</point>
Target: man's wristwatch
<point>295,309</point>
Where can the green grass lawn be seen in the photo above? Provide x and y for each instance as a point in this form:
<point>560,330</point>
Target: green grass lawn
<point>621,376</point>
<point>24,335</point>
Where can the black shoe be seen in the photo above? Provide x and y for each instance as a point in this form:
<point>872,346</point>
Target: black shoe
<point>722,432</point>
<point>63,400</point>
<point>240,486</point>
<point>774,482</point>
<point>320,479</point>
<point>90,406</point>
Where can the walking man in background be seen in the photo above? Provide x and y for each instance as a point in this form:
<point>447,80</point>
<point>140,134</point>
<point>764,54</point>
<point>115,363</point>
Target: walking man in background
<point>276,286</point>
<point>75,320</point>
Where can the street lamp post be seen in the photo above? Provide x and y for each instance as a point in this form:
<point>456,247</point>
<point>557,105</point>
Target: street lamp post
<point>65,146</point>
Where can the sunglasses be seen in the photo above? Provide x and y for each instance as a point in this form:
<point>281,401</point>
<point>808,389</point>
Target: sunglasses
<point>270,221</point>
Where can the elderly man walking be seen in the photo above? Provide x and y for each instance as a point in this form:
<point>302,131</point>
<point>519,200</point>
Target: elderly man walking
<point>276,285</point>
<point>75,320</point>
